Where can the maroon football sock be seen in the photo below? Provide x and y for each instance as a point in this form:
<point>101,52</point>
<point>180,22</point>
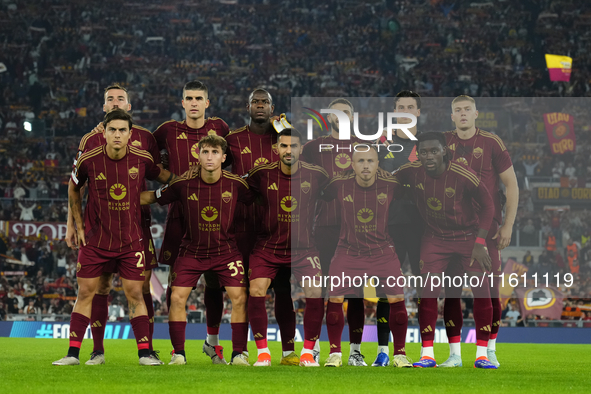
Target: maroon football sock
<point>176,330</point>
<point>453,317</point>
<point>285,316</point>
<point>239,336</point>
<point>398,324</point>
<point>78,325</point>
<point>335,322</point>
<point>356,319</point>
<point>257,313</point>
<point>141,331</point>
<point>214,309</point>
<point>98,319</point>
<point>313,315</point>
<point>483,313</point>
<point>497,310</point>
<point>427,319</point>
<point>150,307</point>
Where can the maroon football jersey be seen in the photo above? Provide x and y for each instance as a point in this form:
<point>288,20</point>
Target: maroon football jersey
<point>181,145</point>
<point>333,160</point>
<point>141,138</point>
<point>247,150</point>
<point>486,154</point>
<point>446,202</point>
<point>364,214</point>
<point>288,206</point>
<point>208,210</point>
<point>113,212</point>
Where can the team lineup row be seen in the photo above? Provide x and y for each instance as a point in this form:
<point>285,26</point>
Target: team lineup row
<point>216,228</point>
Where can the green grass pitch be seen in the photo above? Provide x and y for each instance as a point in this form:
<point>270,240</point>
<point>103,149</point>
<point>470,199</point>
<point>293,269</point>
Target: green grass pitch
<point>25,367</point>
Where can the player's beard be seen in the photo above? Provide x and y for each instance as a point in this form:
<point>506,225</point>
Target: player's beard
<point>260,120</point>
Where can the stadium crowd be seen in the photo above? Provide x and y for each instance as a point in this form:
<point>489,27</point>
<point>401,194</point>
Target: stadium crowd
<point>58,55</point>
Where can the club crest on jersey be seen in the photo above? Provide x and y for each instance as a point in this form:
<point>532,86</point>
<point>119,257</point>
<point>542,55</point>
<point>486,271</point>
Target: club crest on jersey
<point>274,147</point>
<point>288,203</point>
<point>462,160</point>
<point>261,160</point>
<point>477,152</point>
<point>365,215</point>
<point>78,267</point>
<point>342,160</point>
<point>133,172</point>
<point>167,254</point>
<point>382,198</point>
<point>421,264</point>
<point>118,191</point>
<point>211,132</point>
<point>450,192</point>
<point>136,144</point>
<point>226,197</point>
<point>172,277</point>
<point>306,187</point>
<point>209,213</point>
<point>434,204</point>
<point>195,150</point>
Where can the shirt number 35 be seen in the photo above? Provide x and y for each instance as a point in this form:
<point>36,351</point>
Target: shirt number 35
<point>236,267</point>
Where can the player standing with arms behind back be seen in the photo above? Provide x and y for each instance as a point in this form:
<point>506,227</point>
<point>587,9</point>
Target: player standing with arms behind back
<point>486,154</point>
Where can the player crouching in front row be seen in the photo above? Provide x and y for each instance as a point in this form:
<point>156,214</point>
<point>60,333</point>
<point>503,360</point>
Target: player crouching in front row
<point>209,199</point>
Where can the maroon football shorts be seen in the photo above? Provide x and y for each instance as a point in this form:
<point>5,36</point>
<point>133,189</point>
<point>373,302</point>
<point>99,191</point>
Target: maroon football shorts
<point>92,262</point>
<point>385,267</point>
<point>264,264</point>
<point>173,236</point>
<point>437,254</point>
<point>326,239</point>
<point>228,267</point>
<point>149,249</point>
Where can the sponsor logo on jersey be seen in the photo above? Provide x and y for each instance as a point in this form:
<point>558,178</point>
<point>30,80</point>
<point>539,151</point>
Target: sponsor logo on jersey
<point>365,215</point>
<point>209,213</point>
<point>118,191</point>
<point>195,150</point>
<point>342,160</point>
<point>289,203</point>
<point>434,204</point>
<point>261,160</point>
<point>462,160</point>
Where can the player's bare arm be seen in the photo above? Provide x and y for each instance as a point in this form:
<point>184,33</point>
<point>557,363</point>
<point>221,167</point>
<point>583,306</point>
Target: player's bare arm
<point>504,233</point>
<point>147,197</point>
<point>75,207</point>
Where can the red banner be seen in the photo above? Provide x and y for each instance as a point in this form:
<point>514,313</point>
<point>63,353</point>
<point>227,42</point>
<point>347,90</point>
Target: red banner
<point>52,231</point>
<point>561,132</point>
<point>545,302</point>
<point>512,270</point>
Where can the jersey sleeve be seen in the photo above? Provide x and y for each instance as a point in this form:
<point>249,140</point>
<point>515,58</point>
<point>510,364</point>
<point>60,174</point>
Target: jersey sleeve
<point>160,137</point>
<point>482,196</point>
<point>253,179</point>
<point>152,170</point>
<point>308,152</point>
<point>500,156</point>
<point>331,190</point>
<point>225,129</point>
<point>153,147</point>
<point>245,194</point>
<point>80,173</point>
<point>167,194</point>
